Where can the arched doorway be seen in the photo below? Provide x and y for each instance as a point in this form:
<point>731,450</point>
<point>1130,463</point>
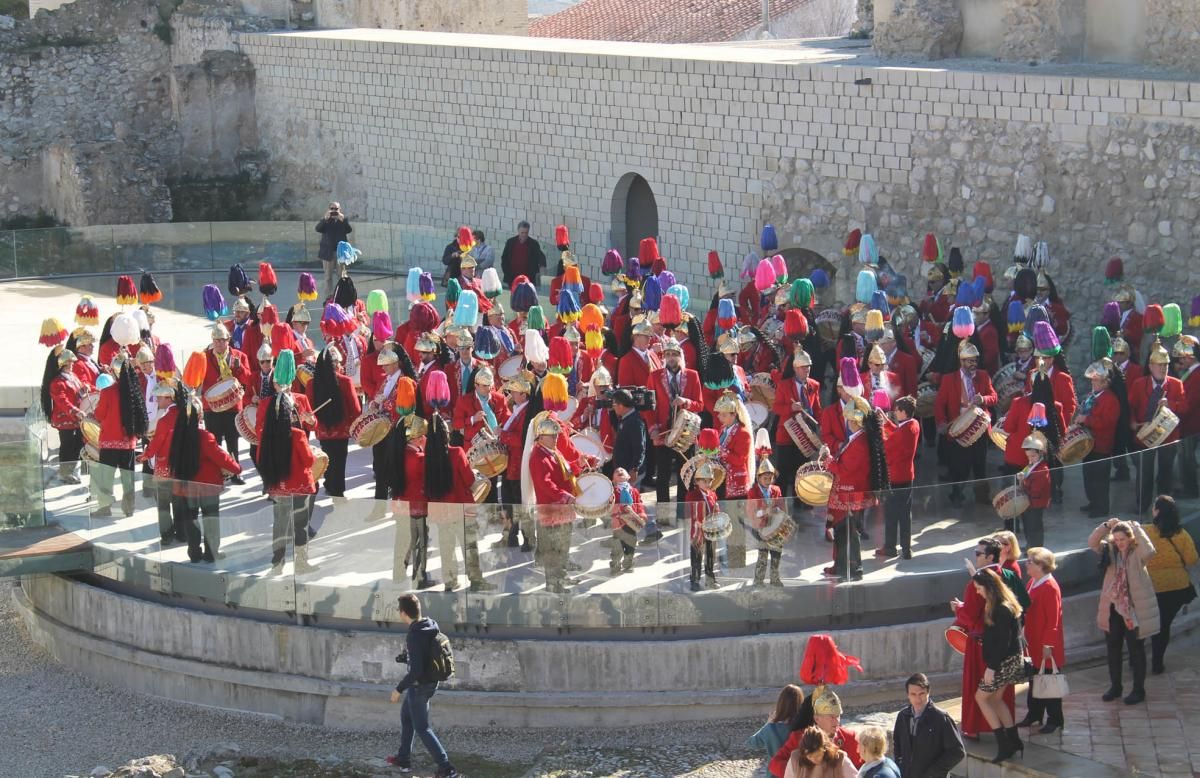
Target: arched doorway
<point>800,264</point>
<point>634,214</point>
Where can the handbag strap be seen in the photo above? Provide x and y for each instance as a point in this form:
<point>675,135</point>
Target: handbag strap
<point>1053,664</point>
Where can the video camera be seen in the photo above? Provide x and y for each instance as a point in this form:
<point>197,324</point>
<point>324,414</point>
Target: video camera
<point>643,398</point>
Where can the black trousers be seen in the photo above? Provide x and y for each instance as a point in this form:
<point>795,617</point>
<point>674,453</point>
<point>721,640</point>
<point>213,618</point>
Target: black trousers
<point>702,553</point>
<point>897,517</point>
<point>1169,604</point>
<point>291,513</point>
<point>847,545</point>
<point>419,548</point>
<point>221,424</point>
<point>70,443</point>
<point>966,463</point>
<point>1033,522</point>
<point>1118,637</point>
<point>1155,471</point>
<point>378,460</point>
<point>1039,708</point>
<point>1096,469</point>
<point>667,463</point>
<point>335,476</point>
<point>788,459</point>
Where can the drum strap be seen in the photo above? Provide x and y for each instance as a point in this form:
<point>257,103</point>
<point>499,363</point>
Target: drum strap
<point>488,417</point>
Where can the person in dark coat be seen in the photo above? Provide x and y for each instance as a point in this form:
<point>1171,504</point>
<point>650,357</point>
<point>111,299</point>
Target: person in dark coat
<point>925,740</point>
<point>522,256</point>
<point>334,229</point>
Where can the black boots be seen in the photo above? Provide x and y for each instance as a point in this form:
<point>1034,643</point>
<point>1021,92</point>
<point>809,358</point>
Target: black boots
<point>1009,741</point>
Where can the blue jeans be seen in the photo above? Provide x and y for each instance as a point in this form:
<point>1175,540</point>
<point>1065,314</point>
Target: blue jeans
<point>414,720</point>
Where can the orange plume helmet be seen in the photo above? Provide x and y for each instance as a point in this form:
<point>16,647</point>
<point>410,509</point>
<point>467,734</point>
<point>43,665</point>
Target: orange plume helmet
<point>194,370</point>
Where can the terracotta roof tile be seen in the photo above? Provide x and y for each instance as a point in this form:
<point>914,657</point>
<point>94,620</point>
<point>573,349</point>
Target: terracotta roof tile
<point>666,21</point>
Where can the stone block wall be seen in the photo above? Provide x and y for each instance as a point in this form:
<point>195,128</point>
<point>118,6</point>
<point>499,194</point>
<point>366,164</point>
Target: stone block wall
<point>493,17</point>
<point>417,128</point>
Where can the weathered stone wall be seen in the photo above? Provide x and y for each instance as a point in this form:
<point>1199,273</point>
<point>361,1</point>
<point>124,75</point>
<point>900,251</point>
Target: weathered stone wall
<point>1173,34</point>
<point>1094,166</point>
<point>498,17</point>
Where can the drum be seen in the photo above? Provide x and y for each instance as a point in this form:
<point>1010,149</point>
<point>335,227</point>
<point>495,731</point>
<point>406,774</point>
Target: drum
<point>510,367</point>
<point>370,429</point>
<point>684,431</point>
<point>304,373</point>
<point>926,397</point>
<point>589,444</point>
<point>689,467</point>
<point>1011,502</point>
<point>631,518</point>
<point>829,324</point>
<point>779,530</point>
<point>488,455</point>
<point>480,488</point>
<point>1008,386</point>
<point>958,638</point>
<point>813,484</point>
<point>320,464</point>
<point>1077,442</point>
<point>926,359</point>
<point>245,422</point>
<point>971,425</point>
<point>1158,429</point>
<point>762,389</point>
<point>91,431</point>
<point>569,412</point>
<point>804,432</point>
<point>999,436</point>
<point>717,526</point>
<point>90,453</point>
<point>87,405</point>
<point>224,395</point>
<point>595,497</point>
<point>758,413</point>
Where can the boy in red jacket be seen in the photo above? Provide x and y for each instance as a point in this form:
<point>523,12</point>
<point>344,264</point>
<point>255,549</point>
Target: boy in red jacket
<point>901,438</point>
<point>702,502</point>
<point>628,517</point>
<point>764,504</point>
<point>1035,479</point>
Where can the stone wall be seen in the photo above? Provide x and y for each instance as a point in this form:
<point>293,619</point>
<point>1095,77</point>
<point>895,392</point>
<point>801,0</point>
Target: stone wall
<point>1173,34</point>
<point>1094,166</point>
<point>499,17</point>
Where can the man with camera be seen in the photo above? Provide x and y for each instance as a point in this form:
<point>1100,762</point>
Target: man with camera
<point>631,442</point>
<point>421,649</point>
<point>334,229</point>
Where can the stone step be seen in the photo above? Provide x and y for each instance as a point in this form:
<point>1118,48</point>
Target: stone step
<point>1036,762</point>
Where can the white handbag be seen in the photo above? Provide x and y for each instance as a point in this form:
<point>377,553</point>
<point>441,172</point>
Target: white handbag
<point>1052,686</point>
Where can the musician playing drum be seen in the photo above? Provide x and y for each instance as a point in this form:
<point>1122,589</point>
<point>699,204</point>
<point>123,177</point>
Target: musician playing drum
<point>481,411</point>
<point>551,494</point>
<point>968,387</point>
<point>384,401</point>
<point>859,472</point>
<point>763,500</point>
<point>628,517</point>
<point>1147,395</point>
<point>797,399</point>
<point>737,457</point>
<point>224,363</point>
<point>332,394</point>
<point>676,388</point>
<point>448,479</point>
<point>1101,412</point>
<point>1035,480</point>
<point>702,503</point>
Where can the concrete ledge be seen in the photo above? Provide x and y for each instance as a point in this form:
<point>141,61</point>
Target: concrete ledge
<point>1036,762</point>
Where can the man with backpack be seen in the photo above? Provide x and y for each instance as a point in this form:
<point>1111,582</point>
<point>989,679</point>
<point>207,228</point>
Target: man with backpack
<point>430,660</point>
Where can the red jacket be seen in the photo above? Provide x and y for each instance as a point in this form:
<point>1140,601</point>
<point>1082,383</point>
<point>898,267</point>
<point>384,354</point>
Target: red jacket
<point>514,439</point>
<point>843,738</point>
<point>1132,371</point>
<point>1037,485</point>
<point>370,375</point>
<point>468,405</point>
<point>1044,621</point>
<point>758,504</point>
<point>618,508</point>
<point>159,448</point>
<point>351,409</point>
<point>1063,387</point>
<point>86,370</point>
<point>239,366</point>
<point>689,390</point>
<point>735,458</point>
<point>701,503</point>
<point>1102,421</point>
<point>1189,420</point>
<point>892,380</point>
<point>108,413</point>
<point>749,304</point>
<point>949,403</point>
<point>833,427</point>
<point>711,396</point>
<point>632,370</point>
<point>215,462</point>
<point>553,486</point>
<point>300,478</point>
<point>66,390</point>
<point>786,393</point>
<point>900,443</point>
<point>1139,402</point>
<point>1017,427</point>
<point>414,482</point>
<point>851,471</point>
<point>989,351</point>
<point>585,417</point>
<point>906,366</point>
<point>448,508</point>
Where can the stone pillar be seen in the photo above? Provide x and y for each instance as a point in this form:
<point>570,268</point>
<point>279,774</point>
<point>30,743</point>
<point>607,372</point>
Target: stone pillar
<point>929,29</point>
<point>864,25</point>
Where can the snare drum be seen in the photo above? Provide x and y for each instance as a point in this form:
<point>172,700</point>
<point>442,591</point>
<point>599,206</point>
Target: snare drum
<point>926,399</point>
<point>1077,443</point>
<point>971,425</point>
<point>90,428</point>
<point>480,488</point>
<point>758,413</point>
<point>958,639</point>
<point>589,444</point>
<point>569,413</point>
<point>488,455</point>
<point>926,359</point>
<point>633,520</point>
<point>1154,432</point>
<point>87,405</point>
<point>510,367</point>
<point>829,324</point>
<point>999,436</point>
<point>224,395</point>
<point>1011,502</point>
<point>245,423</point>
<point>1008,386</point>
<point>779,530</point>
<point>369,429</point>
<point>717,526</point>
<point>320,464</point>
<point>595,497</point>
<point>813,484</point>
<point>304,373</point>
<point>684,431</point>
<point>762,388</point>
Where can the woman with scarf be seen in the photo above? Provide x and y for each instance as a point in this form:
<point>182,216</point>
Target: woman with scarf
<point>1128,611</point>
<point>332,393</point>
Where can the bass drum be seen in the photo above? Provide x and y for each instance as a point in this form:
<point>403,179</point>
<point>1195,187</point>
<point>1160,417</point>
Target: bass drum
<point>246,424</point>
<point>595,497</point>
<point>813,484</point>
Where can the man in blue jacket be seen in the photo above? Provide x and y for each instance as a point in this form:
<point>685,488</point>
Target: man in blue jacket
<point>417,689</point>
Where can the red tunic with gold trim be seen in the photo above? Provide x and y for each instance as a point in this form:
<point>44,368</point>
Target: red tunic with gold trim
<point>1017,427</point>
<point>469,405</point>
<point>239,369</point>
<point>1102,420</point>
<point>1141,410</point>
<point>351,409</point>
<point>787,392</point>
<point>414,482</point>
<point>108,413</point>
<point>689,390</point>
<point>851,471</point>
<point>86,370</point>
<point>553,486</point>
<point>759,503</point>
<point>159,448</point>
<point>736,445</point>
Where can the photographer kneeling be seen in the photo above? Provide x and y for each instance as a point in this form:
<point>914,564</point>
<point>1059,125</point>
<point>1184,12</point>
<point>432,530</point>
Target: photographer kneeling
<point>429,661</point>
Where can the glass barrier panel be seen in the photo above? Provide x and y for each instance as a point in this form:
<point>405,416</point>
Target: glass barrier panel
<point>280,243</point>
<point>161,247</point>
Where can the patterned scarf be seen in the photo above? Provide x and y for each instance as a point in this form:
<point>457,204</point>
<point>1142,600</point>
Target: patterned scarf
<point>1118,589</point>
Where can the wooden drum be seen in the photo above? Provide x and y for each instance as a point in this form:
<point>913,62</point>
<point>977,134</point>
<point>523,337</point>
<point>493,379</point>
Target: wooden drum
<point>1011,502</point>
<point>1077,442</point>
<point>224,395</point>
<point>488,455</point>
<point>370,429</point>
<point>813,484</point>
<point>684,431</point>
<point>1158,429</point>
<point>969,427</point>
<point>595,497</point>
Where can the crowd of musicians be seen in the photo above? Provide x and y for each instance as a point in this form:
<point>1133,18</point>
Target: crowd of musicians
<point>572,408</point>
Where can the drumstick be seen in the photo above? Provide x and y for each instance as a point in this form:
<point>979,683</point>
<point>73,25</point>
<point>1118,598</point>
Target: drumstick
<point>322,405</point>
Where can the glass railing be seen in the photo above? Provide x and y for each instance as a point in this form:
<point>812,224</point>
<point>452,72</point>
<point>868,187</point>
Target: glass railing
<point>348,561</point>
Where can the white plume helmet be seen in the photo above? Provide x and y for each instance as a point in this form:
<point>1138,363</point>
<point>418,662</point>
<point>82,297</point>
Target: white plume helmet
<point>762,439</point>
<point>143,321</point>
<point>1024,249</point>
<point>1041,257</point>
<point>491,282</point>
<point>125,329</point>
<point>535,348</point>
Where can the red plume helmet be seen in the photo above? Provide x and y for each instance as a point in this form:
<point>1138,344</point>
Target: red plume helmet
<point>465,238</point>
<point>648,252</point>
<point>562,238</point>
<point>715,270</point>
<point>823,663</point>
<point>268,284</point>
<point>852,241</point>
<point>929,251</point>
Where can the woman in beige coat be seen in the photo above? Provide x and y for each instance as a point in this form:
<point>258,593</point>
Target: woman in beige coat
<point>1128,612</point>
<point>819,757</point>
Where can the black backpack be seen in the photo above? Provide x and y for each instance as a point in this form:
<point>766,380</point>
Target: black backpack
<point>441,659</point>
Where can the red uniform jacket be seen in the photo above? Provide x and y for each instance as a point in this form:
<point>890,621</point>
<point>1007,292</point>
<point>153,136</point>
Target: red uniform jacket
<point>107,352</point>
<point>749,304</point>
<point>1132,371</point>
<point>900,443</point>
<point>759,504</point>
<point>215,462</point>
<point>632,370</point>
<point>906,366</point>
<point>1189,421</point>
<point>468,405</point>
<point>370,375</point>
<point>1063,387</point>
<point>851,471</point>
<point>833,427</point>
<point>1139,402</point>
<point>1060,318</point>
<point>302,406</point>
<point>786,393</point>
<point>1102,421</point>
<point>701,503</point>
<point>448,507</point>
<point>66,390</point>
<point>239,366</point>
<point>86,370</point>
<point>300,477</point>
<point>553,486</point>
<point>108,413</point>
<point>950,401</point>
<point>586,415</point>
<point>159,448</point>
<point>844,738</point>
<point>351,409</point>
<point>414,482</point>
<point>1044,621</point>
<point>735,453</point>
<point>1017,427</point>
<point>620,508</point>
<point>690,356</point>
<point>1037,485</point>
<point>512,435</point>
<point>936,307</point>
<point>689,390</point>
<point>890,378</point>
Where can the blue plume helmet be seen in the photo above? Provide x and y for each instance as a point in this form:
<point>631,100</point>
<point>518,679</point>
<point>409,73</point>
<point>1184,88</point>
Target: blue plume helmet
<point>879,302</point>
<point>978,289</point>
<point>1035,314</point>
<point>214,302</point>
<point>962,323</point>
<point>466,312</point>
<point>346,254</point>
<point>768,242</point>
<point>568,306</point>
<point>1016,317</point>
<point>865,287</point>
<point>524,296</point>
<point>651,294</point>
<point>681,293</point>
<point>868,252</point>
<point>487,347</point>
<point>962,296</point>
<point>412,285</point>
<point>819,278</point>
